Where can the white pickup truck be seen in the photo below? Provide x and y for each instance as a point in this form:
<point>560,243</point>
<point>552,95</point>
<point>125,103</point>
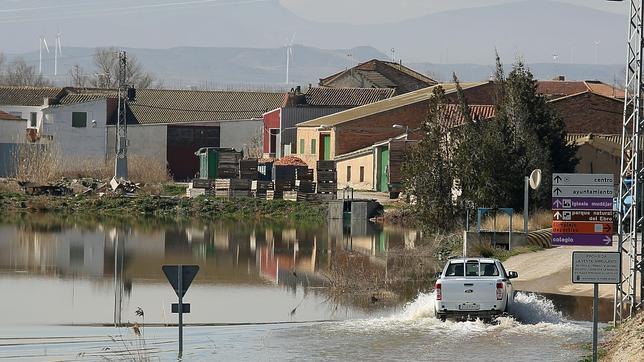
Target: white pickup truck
<point>470,288</point>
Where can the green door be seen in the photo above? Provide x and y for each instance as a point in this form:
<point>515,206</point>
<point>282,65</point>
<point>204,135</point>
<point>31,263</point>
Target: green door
<point>326,142</point>
<point>384,170</point>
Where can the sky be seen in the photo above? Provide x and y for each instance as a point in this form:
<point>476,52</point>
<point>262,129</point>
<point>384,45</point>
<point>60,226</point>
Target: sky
<point>383,24</point>
<point>383,11</point>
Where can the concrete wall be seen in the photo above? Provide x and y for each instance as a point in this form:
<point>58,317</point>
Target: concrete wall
<point>13,131</point>
<point>366,161</point>
<point>594,160</point>
<point>308,134</point>
<point>78,142</point>
<point>241,134</point>
<point>144,141</point>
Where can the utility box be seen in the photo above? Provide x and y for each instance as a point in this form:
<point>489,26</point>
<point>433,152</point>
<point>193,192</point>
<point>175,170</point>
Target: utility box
<point>208,163</point>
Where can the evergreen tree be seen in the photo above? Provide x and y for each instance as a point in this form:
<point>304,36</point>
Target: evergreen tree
<point>489,158</point>
<point>427,173</point>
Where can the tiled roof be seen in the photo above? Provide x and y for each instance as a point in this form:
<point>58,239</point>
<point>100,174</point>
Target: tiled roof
<point>384,74</point>
<point>604,89</point>
<point>4,116</point>
<point>345,97</point>
<point>402,100</point>
<point>454,116</point>
<point>27,96</point>
<point>562,88</point>
<point>181,106</point>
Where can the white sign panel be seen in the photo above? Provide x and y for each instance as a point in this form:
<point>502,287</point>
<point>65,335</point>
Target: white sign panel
<point>596,267</point>
<point>582,191</point>
<point>576,179</point>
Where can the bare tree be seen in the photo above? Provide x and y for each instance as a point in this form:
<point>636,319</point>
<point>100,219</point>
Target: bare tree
<point>78,76</point>
<point>19,73</point>
<point>107,69</point>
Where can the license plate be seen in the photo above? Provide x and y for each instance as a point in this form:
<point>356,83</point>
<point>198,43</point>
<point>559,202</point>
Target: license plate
<point>468,306</point>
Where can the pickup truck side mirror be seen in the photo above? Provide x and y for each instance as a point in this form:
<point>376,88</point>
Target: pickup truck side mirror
<point>438,275</point>
<point>513,275</point>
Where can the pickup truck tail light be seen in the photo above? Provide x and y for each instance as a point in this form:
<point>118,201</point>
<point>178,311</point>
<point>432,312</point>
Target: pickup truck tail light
<point>438,291</point>
<point>499,291</point>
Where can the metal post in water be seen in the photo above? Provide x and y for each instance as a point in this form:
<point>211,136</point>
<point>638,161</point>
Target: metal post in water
<point>180,281</point>
<point>595,318</point>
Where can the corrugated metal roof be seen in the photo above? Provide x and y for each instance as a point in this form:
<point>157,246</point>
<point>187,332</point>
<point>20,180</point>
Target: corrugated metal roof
<point>27,96</point>
<point>406,99</point>
<point>345,97</point>
<point>181,106</point>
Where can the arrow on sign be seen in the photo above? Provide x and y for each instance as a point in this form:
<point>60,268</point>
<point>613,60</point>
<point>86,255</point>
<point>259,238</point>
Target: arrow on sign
<point>557,215</point>
<point>557,191</point>
<point>557,179</point>
<point>608,228</point>
<point>608,240</point>
<point>557,203</point>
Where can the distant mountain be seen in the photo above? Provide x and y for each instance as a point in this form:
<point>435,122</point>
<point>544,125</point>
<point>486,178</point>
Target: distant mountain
<point>535,30</point>
<point>255,68</point>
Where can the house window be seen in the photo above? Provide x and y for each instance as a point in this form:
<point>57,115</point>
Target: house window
<point>361,173</point>
<point>348,173</point>
<point>301,147</point>
<point>79,119</point>
<point>314,146</point>
<point>33,116</point>
<point>273,133</point>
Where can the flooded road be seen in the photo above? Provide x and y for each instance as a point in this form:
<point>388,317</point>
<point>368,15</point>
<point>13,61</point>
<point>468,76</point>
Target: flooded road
<point>260,295</point>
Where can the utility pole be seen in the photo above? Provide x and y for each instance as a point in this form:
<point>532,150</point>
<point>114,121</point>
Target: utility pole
<point>631,224</point>
<point>120,167</point>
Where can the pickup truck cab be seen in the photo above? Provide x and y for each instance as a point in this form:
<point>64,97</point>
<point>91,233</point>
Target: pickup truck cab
<point>470,288</point>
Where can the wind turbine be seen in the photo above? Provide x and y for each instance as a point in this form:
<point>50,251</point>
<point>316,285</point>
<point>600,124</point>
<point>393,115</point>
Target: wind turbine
<point>42,41</point>
<point>58,50</point>
<point>289,55</point>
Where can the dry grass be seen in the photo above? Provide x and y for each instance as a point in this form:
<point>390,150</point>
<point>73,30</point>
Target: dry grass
<point>42,164</point>
<point>36,163</point>
<point>541,219</point>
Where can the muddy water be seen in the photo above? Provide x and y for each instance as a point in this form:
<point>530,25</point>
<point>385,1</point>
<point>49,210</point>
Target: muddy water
<point>62,281</point>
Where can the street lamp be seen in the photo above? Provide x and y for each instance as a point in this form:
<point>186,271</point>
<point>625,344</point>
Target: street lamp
<point>323,127</point>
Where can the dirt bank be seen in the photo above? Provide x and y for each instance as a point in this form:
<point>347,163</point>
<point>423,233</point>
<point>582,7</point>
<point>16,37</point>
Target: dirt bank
<point>549,271</point>
<point>626,342</point>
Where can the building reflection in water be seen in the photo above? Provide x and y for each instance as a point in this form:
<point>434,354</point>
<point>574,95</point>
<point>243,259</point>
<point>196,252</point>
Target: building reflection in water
<point>234,253</point>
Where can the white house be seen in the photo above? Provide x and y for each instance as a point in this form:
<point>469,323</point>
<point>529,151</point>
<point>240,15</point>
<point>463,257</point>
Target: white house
<point>28,102</point>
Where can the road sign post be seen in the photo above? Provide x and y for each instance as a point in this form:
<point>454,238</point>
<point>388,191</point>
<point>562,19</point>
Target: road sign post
<point>582,207</point>
<point>180,277</point>
<point>596,267</point>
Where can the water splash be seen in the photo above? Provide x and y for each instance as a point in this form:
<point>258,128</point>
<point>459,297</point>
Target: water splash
<point>420,308</point>
<point>530,308</point>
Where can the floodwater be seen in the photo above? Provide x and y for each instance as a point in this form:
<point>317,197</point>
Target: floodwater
<point>261,294</point>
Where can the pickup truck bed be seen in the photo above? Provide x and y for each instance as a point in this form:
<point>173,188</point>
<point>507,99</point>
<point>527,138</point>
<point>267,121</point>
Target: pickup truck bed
<point>473,288</point>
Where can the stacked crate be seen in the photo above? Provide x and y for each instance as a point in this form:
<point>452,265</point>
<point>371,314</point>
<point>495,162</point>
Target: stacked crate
<point>231,188</point>
<point>248,169</point>
<point>295,196</point>
<point>199,187</point>
<point>228,164</point>
<point>260,188</point>
<point>327,179</point>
